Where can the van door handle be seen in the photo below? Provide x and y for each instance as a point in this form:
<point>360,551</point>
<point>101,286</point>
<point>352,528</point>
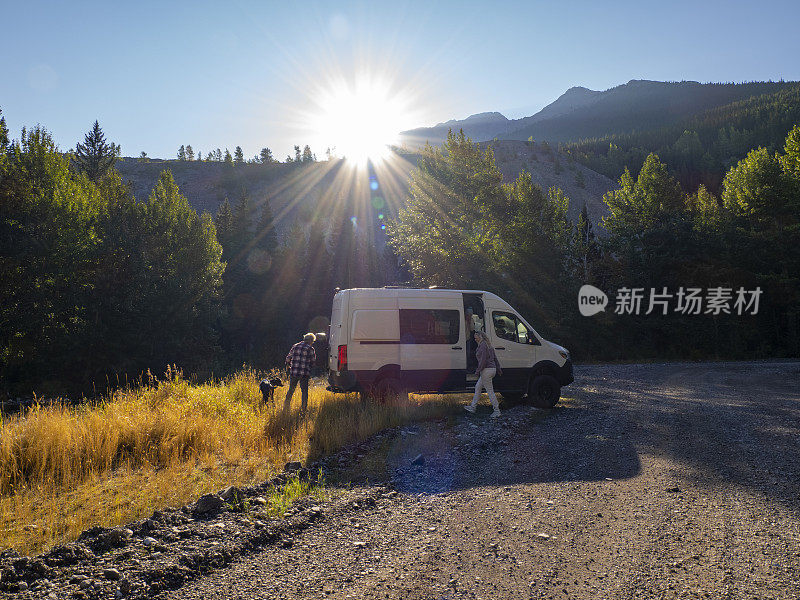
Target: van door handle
<point>456,348</point>
<point>500,348</point>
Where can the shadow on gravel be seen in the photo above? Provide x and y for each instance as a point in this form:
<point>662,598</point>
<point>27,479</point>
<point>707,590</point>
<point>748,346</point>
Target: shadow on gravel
<point>568,443</point>
<point>723,424</point>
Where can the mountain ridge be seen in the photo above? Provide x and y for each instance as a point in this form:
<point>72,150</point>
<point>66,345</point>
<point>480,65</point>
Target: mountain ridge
<point>581,113</point>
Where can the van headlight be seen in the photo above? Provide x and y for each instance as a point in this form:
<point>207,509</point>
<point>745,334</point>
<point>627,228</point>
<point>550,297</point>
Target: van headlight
<point>564,354</point>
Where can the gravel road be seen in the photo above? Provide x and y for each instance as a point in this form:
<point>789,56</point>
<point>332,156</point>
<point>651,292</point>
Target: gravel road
<point>647,481</point>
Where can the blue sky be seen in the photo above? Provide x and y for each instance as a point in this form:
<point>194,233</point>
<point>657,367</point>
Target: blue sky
<point>221,74</point>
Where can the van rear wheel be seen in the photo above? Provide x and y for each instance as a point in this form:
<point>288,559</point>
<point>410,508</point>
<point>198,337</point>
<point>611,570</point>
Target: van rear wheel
<point>544,391</point>
<point>389,391</point>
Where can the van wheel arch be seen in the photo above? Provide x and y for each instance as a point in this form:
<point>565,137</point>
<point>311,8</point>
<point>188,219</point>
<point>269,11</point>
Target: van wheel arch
<point>386,383</point>
<point>543,367</point>
<point>388,390</point>
<point>543,375</point>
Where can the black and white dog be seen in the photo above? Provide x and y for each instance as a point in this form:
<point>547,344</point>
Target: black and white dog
<point>268,388</point>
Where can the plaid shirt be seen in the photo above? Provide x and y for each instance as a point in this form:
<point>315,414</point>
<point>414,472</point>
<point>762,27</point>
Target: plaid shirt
<point>300,359</point>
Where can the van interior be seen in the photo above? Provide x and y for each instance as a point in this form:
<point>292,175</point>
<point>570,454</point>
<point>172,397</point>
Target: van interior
<point>474,320</point>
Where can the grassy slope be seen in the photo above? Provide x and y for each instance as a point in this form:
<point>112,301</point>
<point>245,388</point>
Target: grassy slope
<point>63,470</point>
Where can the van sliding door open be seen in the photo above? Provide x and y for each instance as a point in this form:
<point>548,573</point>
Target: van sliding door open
<point>432,343</point>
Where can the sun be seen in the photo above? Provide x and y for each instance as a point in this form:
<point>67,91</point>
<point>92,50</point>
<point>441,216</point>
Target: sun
<point>360,121</point>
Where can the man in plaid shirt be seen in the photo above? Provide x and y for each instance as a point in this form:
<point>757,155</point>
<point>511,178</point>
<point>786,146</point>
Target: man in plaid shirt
<point>299,362</point>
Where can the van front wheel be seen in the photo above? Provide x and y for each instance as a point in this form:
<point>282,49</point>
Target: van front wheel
<point>544,391</point>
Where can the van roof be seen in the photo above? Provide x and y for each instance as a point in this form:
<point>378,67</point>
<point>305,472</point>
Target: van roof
<point>417,291</point>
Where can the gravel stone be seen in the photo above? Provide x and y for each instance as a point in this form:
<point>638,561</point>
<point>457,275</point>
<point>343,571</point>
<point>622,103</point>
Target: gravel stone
<point>209,503</point>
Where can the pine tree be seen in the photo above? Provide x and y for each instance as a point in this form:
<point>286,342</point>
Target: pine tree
<point>184,269</point>
<point>266,156</point>
<point>791,159</point>
<point>587,250</point>
<point>224,224</point>
<point>450,225</point>
<point>189,153</point>
<point>48,234</point>
<point>238,156</point>
<point>242,224</point>
<point>4,140</point>
<point>95,156</point>
<point>182,153</point>
<point>308,157</point>
<point>649,226</point>
<point>228,157</point>
<point>266,236</point>
<point>298,156</point>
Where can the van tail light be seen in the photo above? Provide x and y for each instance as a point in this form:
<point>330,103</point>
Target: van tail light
<point>342,358</point>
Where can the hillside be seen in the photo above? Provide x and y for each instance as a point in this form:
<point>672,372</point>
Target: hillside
<point>333,188</point>
<point>550,168</point>
<point>290,189</point>
<point>580,113</point>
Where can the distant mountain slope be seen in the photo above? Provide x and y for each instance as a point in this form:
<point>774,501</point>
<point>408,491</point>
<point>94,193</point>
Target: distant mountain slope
<point>701,148</point>
<point>580,113</point>
<point>639,106</point>
<point>483,126</point>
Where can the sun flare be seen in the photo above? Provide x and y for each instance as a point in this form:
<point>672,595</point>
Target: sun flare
<point>359,122</point>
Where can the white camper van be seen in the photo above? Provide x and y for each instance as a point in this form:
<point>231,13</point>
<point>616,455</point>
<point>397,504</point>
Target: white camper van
<point>387,341</point>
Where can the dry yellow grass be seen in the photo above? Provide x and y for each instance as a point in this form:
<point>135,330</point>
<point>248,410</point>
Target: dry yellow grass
<point>64,469</point>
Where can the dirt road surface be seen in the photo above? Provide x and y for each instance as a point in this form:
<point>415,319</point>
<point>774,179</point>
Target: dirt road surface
<point>647,481</point>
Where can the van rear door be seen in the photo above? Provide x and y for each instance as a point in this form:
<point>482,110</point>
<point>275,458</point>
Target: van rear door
<point>337,333</point>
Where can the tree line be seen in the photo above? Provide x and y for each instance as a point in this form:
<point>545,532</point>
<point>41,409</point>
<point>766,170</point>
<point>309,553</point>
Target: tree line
<point>464,228</point>
<point>95,283</point>
<point>264,157</point>
<point>98,287</point>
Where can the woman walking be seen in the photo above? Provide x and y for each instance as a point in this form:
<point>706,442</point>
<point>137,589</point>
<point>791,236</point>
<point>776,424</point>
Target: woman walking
<point>488,367</point>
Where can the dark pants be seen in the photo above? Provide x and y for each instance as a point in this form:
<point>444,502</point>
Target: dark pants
<point>293,381</point>
<point>472,359</point>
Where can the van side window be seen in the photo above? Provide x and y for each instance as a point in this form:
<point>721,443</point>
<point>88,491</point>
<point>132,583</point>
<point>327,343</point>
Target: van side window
<point>423,326</point>
<point>508,327</point>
